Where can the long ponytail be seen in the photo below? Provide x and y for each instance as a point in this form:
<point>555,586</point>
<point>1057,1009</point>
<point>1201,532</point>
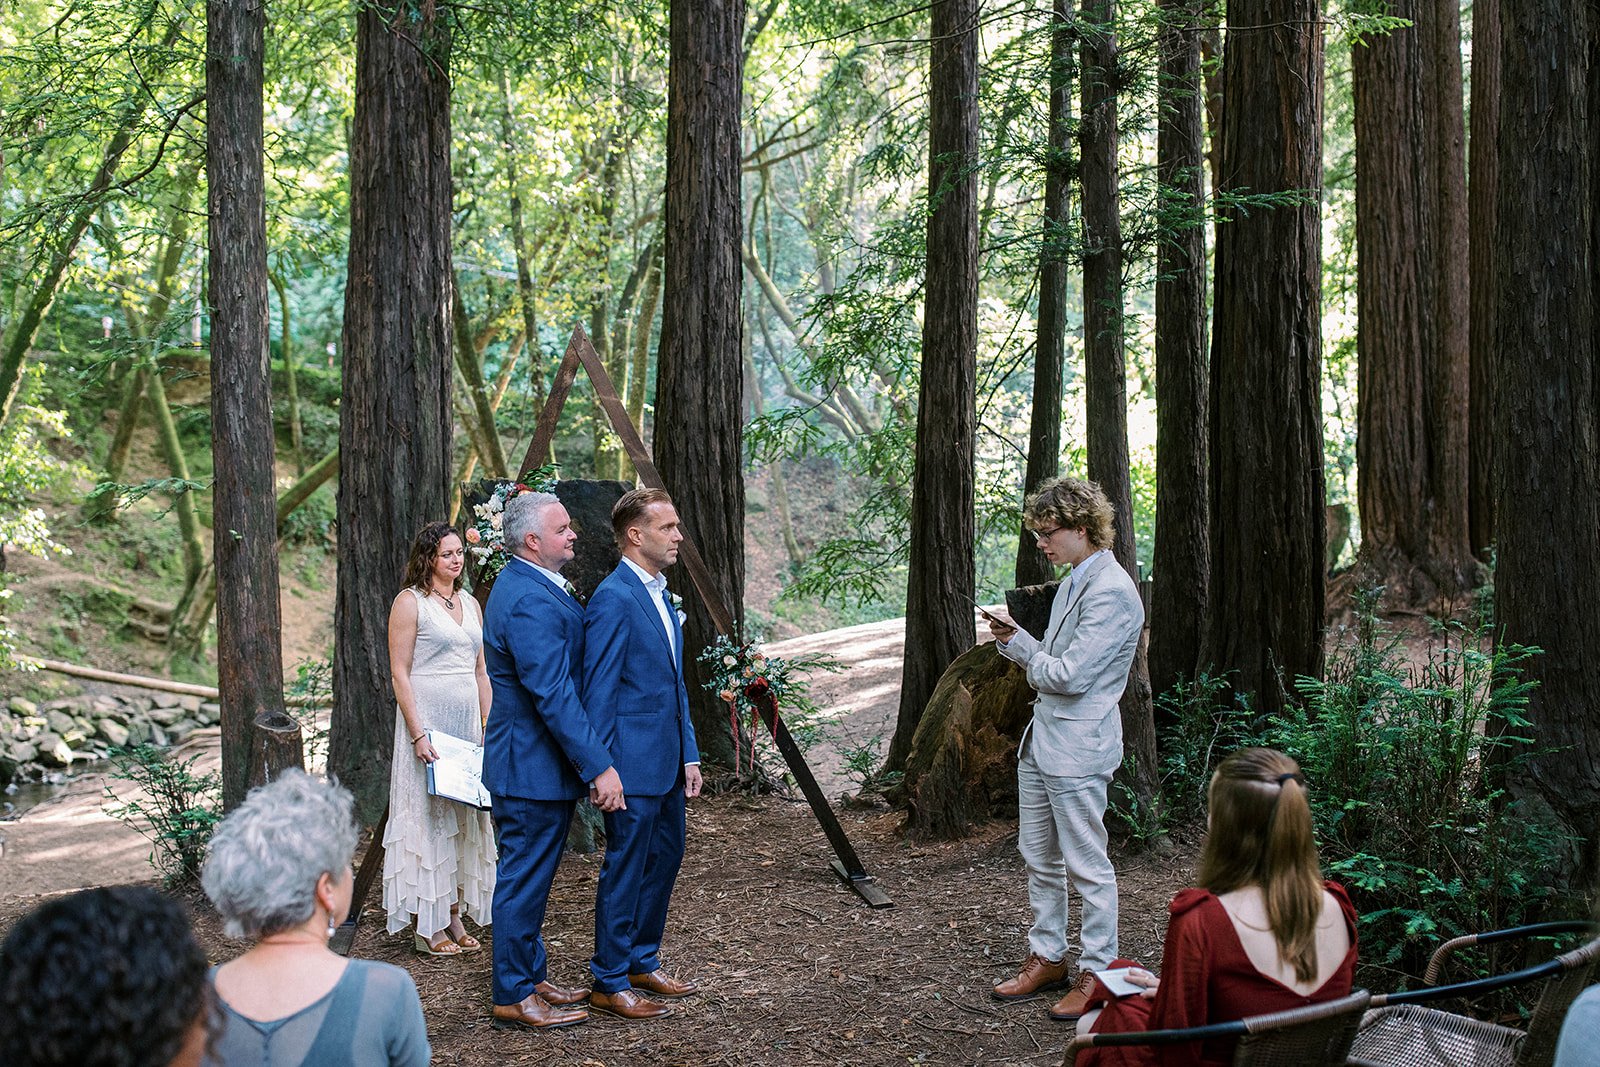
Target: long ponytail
<point>1261,835</point>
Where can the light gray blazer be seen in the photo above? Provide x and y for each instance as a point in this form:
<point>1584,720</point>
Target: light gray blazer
<point>1080,669</point>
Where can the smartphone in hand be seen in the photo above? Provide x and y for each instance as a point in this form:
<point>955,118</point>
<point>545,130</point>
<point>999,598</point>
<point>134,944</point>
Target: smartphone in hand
<point>997,620</point>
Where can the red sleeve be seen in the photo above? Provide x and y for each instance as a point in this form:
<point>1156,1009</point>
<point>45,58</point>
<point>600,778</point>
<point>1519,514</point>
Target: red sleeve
<point>1182,998</point>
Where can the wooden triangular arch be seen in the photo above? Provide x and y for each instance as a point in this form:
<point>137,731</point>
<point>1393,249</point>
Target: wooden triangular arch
<point>581,353</point>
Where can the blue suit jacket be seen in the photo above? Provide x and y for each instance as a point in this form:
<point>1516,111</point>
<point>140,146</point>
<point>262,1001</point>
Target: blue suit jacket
<point>633,685</point>
<point>539,743</point>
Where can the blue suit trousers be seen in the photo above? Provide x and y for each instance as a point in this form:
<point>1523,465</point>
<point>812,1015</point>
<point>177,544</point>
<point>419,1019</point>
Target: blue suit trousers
<point>531,834</point>
<point>644,849</point>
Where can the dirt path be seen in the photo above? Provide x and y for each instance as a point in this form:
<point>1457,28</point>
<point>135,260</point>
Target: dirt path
<point>69,842</point>
<point>796,969</point>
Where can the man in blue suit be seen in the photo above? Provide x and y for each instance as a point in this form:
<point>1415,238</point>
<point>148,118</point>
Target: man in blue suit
<point>540,753</point>
<point>634,690</point>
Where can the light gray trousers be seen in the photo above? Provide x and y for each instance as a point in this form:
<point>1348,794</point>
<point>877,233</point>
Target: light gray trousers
<point>1061,831</point>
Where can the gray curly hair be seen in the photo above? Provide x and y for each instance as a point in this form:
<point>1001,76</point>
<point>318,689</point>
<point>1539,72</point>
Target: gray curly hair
<point>267,855</point>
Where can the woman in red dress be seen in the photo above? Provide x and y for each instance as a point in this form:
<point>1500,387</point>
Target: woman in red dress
<point>1263,933</point>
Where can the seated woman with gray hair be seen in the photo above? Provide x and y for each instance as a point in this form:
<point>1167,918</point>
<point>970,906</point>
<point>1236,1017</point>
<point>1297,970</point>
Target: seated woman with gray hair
<point>279,873</point>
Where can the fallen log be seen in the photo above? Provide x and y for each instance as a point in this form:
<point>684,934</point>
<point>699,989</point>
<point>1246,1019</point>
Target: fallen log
<point>142,681</point>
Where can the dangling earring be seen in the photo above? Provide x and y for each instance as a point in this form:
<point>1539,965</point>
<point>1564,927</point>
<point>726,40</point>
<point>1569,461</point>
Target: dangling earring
<point>332,926</point>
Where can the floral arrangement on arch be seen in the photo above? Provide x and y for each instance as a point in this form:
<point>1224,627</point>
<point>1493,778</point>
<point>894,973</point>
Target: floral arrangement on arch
<point>485,540</point>
<point>743,674</point>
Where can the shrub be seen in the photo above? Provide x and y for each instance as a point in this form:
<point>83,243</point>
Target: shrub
<point>1404,763</point>
<point>175,808</point>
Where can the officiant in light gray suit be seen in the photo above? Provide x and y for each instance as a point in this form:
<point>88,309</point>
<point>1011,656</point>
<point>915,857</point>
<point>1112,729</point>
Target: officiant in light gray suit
<point>1074,743</point>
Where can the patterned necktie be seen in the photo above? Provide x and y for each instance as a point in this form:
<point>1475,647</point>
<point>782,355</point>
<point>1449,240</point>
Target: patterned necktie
<point>570,589</point>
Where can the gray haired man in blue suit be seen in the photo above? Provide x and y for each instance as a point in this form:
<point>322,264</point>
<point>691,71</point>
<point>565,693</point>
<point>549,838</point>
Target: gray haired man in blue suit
<point>540,753</point>
<point>1073,744</point>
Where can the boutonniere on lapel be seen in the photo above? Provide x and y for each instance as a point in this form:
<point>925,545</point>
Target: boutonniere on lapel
<point>677,606</point>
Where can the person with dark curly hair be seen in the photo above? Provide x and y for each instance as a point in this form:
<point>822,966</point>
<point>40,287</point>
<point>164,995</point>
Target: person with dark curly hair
<point>439,856</point>
<point>128,953</point>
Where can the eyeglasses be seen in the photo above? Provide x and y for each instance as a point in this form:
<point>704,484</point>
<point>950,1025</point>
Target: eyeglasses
<point>1045,535</point>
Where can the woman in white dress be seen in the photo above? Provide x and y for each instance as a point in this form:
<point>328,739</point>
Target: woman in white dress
<point>439,856</point>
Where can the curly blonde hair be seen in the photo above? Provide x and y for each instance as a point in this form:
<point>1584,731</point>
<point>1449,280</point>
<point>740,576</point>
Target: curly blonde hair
<point>1073,503</point>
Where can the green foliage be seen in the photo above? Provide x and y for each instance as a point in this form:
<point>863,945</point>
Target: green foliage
<point>860,759</point>
<point>27,468</point>
<point>1408,764</point>
<point>313,681</point>
<point>738,673</point>
<point>313,522</point>
<point>1405,764</point>
<point>170,805</point>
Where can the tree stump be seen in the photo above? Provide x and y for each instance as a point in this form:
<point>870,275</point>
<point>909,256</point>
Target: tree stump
<point>963,761</point>
<point>275,746</point>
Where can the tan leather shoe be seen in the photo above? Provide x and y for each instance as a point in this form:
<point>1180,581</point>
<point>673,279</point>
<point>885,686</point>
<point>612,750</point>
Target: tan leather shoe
<point>1075,1003</point>
<point>1037,975</point>
<point>560,996</point>
<point>626,1004</point>
<point>536,1013</point>
<point>662,984</point>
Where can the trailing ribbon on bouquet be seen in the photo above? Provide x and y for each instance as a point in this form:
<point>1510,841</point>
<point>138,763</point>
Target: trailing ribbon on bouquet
<point>745,677</point>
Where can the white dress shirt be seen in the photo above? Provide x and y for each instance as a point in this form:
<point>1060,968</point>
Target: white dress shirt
<point>656,586</point>
<point>560,582</point>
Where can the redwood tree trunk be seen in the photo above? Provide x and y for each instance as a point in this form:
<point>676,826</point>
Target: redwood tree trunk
<point>1411,231</point>
<point>699,425</point>
<point>1547,410</point>
<point>394,420</point>
<point>1483,181</point>
<point>1105,374</point>
<point>1181,568</point>
<point>1267,519</point>
<point>249,654</point>
<point>939,624</point>
<point>1050,343</point>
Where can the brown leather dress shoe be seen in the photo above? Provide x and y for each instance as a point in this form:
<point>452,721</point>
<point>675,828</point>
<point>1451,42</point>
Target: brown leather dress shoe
<point>536,1013</point>
<point>662,984</point>
<point>1075,1003</point>
<point>560,996</point>
<point>1037,975</point>
<point>626,1004</point>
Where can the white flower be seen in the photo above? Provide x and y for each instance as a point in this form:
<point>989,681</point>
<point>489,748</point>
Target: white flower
<point>730,661</point>
<point>496,520</point>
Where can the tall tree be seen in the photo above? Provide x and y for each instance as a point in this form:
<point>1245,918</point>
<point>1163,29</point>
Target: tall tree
<point>394,411</point>
<point>1105,373</point>
<point>249,654</point>
<point>1547,408</point>
<point>1182,569</point>
<point>1411,237</point>
<point>939,624</point>
<point>60,246</point>
<point>1267,500</point>
<point>699,426</point>
<point>1050,340</point>
<point>1483,182</point>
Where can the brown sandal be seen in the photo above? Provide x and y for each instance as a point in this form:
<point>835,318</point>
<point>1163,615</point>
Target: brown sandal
<point>424,947</point>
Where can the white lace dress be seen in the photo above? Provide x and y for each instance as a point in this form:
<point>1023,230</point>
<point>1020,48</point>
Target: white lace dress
<point>437,851</point>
